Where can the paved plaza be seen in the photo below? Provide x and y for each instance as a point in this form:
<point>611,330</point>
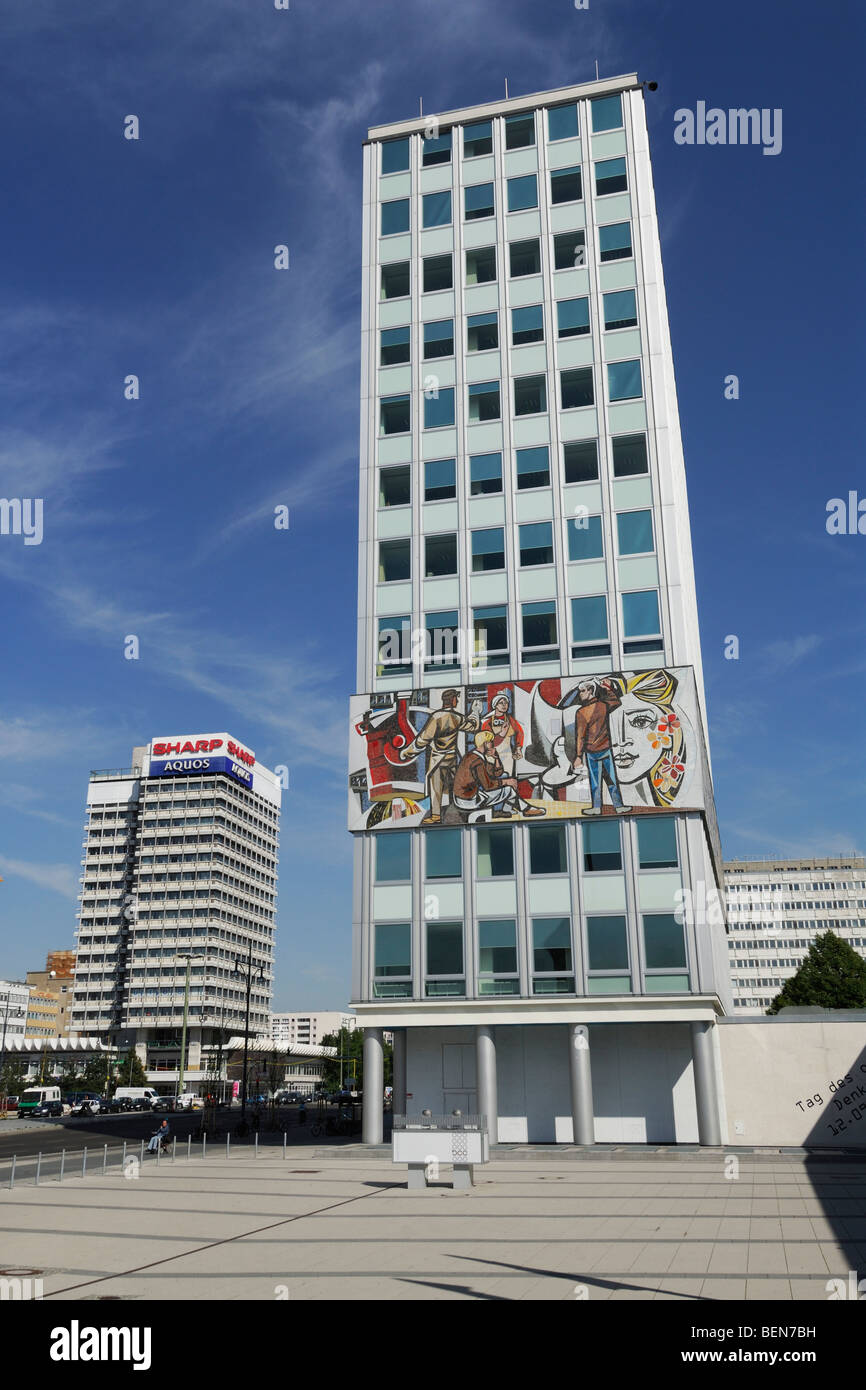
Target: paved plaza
<point>324,1224</point>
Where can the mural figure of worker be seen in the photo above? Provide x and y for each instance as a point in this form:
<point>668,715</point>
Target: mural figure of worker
<point>507,733</point>
<point>438,739</point>
<point>597,701</point>
<point>480,783</point>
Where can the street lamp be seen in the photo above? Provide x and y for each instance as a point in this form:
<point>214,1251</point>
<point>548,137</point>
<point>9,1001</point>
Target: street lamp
<point>189,957</point>
<point>247,974</point>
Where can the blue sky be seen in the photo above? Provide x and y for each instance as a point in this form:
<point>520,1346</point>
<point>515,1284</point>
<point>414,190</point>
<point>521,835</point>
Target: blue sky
<point>155,257</point>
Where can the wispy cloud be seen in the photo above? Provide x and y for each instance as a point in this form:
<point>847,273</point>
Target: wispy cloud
<point>56,878</point>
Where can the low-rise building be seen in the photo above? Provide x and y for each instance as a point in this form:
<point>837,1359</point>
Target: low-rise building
<point>57,980</point>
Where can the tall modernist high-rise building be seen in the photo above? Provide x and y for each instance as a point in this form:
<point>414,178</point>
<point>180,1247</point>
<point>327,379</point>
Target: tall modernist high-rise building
<point>179,872</point>
<point>537,905</point>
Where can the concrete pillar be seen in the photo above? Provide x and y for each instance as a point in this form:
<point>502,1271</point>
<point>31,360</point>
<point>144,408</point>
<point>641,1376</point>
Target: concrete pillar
<point>485,1066</point>
<point>398,1098</point>
<point>706,1094</point>
<point>580,1073</point>
<point>374,1086</point>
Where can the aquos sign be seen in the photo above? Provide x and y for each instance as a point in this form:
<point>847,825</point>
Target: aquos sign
<point>202,755</point>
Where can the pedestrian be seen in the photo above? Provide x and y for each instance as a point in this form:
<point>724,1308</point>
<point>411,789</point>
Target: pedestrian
<point>302,1112</point>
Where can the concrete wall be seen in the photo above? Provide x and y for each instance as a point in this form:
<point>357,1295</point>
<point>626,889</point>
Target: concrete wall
<point>642,1080</point>
<point>778,1077</point>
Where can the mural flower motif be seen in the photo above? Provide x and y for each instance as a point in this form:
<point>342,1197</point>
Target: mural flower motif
<point>668,774</point>
<point>662,736</point>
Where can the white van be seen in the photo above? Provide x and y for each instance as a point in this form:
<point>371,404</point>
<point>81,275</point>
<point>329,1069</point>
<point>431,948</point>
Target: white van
<point>188,1101</point>
<point>136,1093</point>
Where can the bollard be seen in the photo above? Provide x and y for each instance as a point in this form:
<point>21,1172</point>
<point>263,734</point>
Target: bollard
<point>256,1145</point>
<point>38,1166</point>
<point>188,1146</point>
<point>141,1157</point>
<point>12,1175</point>
<point>123,1156</point>
<point>228,1144</point>
<point>203,1145</point>
<point>62,1164</point>
<point>104,1159</point>
<point>285,1138</point>
<point>174,1148</point>
<point>84,1162</point>
<point>158,1152</point>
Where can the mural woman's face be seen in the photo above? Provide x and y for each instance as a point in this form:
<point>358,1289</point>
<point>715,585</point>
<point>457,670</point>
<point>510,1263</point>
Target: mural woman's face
<point>630,727</point>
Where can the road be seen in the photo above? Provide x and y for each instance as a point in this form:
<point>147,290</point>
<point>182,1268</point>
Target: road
<point>74,1133</point>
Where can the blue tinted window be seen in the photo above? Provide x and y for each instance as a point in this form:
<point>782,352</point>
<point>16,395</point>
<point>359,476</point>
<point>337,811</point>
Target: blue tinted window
<point>478,201</point>
<point>589,619</point>
<point>624,381</point>
<point>444,854</point>
<point>606,113</point>
<point>640,613</point>
<point>584,539</point>
<point>610,176</point>
<point>572,317</point>
<point>437,209</point>
<point>395,156</point>
<point>562,121</point>
<point>439,410</point>
<point>440,480</point>
<point>522,193</point>
<point>635,532</point>
<point>527,325</point>
<point>395,217</point>
<point>614,241</point>
<point>394,856</point>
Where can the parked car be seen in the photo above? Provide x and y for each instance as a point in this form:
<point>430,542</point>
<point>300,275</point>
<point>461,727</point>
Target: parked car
<point>52,1108</point>
<point>141,1103</point>
<point>164,1103</point>
<point>35,1097</point>
<point>12,1103</point>
<point>86,1105</point>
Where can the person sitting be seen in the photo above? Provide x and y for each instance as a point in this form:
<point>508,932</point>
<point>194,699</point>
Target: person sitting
<point>160,1138</point>
<point>480,784</point>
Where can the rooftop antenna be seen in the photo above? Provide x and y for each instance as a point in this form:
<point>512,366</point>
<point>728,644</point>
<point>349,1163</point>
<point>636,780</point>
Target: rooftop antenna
<point>506,89</point>
<point>420,106</point>
<point>596,69</point>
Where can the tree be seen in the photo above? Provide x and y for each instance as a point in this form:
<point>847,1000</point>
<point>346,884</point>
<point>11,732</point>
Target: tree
<point>832,976</point>
<point>95,1076</point>
<point>350,1046</point>
<point>12,1081</point>
<point>131,1072</point>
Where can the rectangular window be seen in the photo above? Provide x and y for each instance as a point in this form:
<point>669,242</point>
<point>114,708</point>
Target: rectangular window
<point>615,241</point>
<point>444,854</point>
<point>497,957</point>
<point>519,132</point>
<point>395,280</point>
<point>572,318</point>
<point>624,380</point>
<point>589,626</point>
<point>445,956</point>
<point>657,842</point>
<point>395,217</point>
<point>524,258</point>
<point>620,309</point>
<point>394,415</point>
<point>478,201</point>
<point>530,395</point>
<point>440,555</point>
<point>533,467</point>
<point>610,177</point>
<point>495,851</point>
<point>395,647</point>
<point>394,561</point>
<point>395,155</point>
<point>436,209</point>
<point>439,409</point>
<point>635,533</point>
<point>527,325</point>
<point>580,461</point>
<point>442,650</point>
<point>540,642</point>
<point>394,857</point>
<point>485,474</point>
<point>576,388</point>
<point>584,538</point>
<point>482,332</point>
<point>606,113</point>
<point>664,941</point>
<point>392,956</point>
<point>395,486</point>
<point>607,942</point>
<point>484,401</point>
<point>551,948</point>
<point>477,139</point>
<point>488,549</point>
<point>490,630</point>
<point>562,122</point>
<point>522,193</point>
<point>440,480</point>
<point>569,250</point>
<point>565,185</point>
<point>629,455</point>
<point>439,339</point>
<point>438,273</point>
<point>536,543</point>
<point>602,851</point>
<point>394,346</point>
<point>481,265</point>
<point>640,619</point>
<point>436,150</point>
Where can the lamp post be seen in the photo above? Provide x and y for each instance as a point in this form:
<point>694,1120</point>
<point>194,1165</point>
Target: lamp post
<point>247,973</point>
<point>189,957</point>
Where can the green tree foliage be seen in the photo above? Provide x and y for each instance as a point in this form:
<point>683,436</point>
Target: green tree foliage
<point>350,1046</point>
<point>12,1081</point>
<point>130,1072</point>
<point>832,976</point>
